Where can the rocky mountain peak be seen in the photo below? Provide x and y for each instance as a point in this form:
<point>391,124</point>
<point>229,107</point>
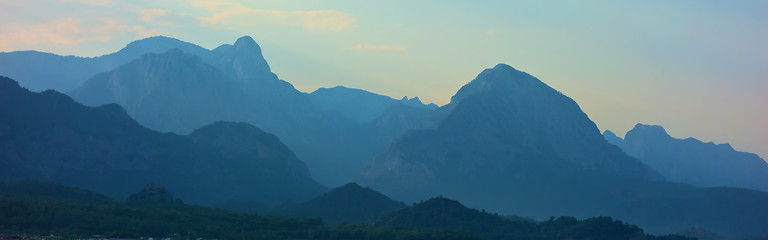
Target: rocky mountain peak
<point>654,131</point>
<point>152,193</point>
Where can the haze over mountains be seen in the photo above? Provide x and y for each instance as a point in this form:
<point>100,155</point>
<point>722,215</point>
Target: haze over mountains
<point>692,161</point>
<point>39,71</point>
<point>511,144</point>
<point>507,143</point>
<point>179,92</point>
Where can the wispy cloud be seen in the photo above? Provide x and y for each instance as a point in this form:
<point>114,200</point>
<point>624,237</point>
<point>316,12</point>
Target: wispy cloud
<point>380,48</point>
<point>149,15</point>
<point>90,2</point>
<point>232,15</point>
<point>68,31</point>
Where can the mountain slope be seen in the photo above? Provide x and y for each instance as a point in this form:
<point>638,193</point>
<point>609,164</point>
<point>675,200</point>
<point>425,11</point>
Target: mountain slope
<point>348,204</point>
<point>501,121</point>
<point>159,88</point>
<point>50,137</point>
<point>39,71</point>
<point>692,161</point>
<point>511,144</point>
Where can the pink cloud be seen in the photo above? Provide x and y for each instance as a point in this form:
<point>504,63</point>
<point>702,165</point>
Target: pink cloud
<point>68,31</point>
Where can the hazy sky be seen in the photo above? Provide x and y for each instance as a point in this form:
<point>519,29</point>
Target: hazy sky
<point>698,68</point>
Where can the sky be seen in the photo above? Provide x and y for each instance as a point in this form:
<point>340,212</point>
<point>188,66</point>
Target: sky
<point>697,67</point>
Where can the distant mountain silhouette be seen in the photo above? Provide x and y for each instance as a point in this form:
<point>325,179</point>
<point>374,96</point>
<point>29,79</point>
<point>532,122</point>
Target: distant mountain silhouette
<point>356,104</point>
<point>48,136</point>
<point>39,71</point>
<point>348,204</point>
<point>692,161</point>
<point>513,145</point>
<point>416,102</point>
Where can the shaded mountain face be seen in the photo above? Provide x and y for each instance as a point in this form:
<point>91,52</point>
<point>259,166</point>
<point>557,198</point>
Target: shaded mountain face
<point>499,122</point>
<point>348,204</point>
<point>159,88</point>
<point>359,105</point>
<point>513,145</point>
<point>50,137</point>
<point>692,161</point>
<point>40,71</point>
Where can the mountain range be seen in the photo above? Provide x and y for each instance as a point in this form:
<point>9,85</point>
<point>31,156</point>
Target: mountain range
<point>336,131</point>
<point>513,145</point>
<point>210,126</point>
<point>39,71</point>
<point>48,136</point>
<point>692,161</point>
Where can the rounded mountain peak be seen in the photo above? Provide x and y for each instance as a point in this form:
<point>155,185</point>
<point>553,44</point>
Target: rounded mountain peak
<point>246,43</point>
<point>654,131</point>
<point>501,79</point>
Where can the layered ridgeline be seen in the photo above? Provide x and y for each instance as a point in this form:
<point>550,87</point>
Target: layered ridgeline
<point>48,136</point>
<point>359,105</point>
<point>180,91</point>
<point>39,71</point>
<point>513,145</point>
<point>83,214</point>
<point>692,161</point>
